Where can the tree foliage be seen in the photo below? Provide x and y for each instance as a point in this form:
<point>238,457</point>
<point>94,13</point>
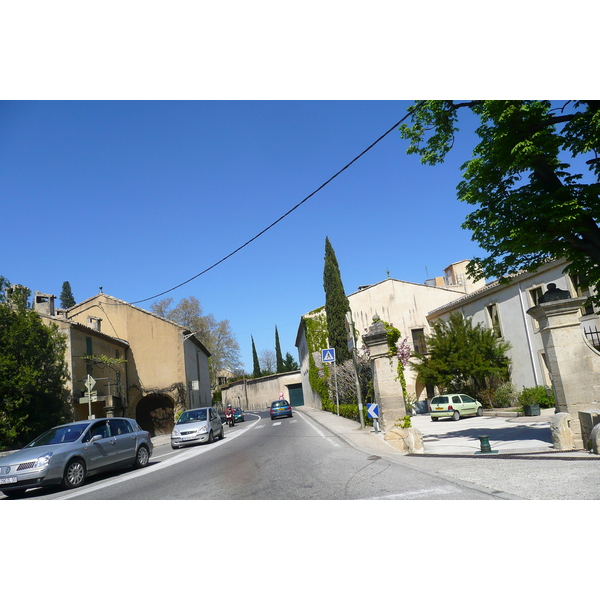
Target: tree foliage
<point>217,336</point>
<point>461,357</point>
<point>289,363</point>
<point>534,178</point>
<point>256,371</point>
<point>33,375</point>
<point>66,296</point>
<point>278,356</point>
<point>336,305</point>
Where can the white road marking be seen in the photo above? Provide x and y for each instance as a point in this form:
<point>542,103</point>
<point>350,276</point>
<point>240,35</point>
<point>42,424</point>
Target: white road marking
<point>330,440</point>
<point>192,452</point>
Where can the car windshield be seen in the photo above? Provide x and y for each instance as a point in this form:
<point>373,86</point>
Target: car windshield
<point>193,415</point>
<point>59,435</point>
<point>279,403</point>
<point>440,400</point>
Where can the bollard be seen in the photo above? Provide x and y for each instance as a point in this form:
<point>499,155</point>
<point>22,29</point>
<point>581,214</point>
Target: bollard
<point>484,441</point>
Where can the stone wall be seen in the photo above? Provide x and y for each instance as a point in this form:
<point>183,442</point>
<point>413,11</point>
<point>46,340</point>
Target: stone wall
<point>257,394</point>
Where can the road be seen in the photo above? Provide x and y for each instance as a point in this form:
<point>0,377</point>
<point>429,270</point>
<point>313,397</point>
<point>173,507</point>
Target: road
<point>260,459</point>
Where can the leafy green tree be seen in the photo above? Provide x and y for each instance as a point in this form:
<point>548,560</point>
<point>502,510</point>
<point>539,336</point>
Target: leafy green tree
<point>278,356</point>
<point>461,357</point>
<point>256,372</point>
<point>289,364</point>
<point>66,296</point>
<point>534,178</point>
<point>33,375</point>
<point>217,336</point>
<point>336,305</point>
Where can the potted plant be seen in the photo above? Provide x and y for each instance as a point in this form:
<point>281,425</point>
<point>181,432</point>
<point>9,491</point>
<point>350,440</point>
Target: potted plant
<point>531,399</point>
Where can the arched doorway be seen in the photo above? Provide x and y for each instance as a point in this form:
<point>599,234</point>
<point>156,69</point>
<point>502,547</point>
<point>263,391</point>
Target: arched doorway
<point>154,413</point>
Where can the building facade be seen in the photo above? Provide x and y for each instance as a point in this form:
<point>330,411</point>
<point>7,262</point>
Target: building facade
<point>164,366</point>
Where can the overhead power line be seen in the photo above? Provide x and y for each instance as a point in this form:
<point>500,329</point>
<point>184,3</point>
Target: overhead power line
<point>395,126</point>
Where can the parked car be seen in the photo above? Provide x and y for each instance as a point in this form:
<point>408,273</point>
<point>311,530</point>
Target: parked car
<point>280,408</point>
<point>238,415</point>
<point>197,426</point>
<point>65,455</point>
<point>454,406</point>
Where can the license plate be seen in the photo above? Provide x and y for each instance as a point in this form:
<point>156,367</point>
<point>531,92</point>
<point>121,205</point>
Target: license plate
<point>8,480</point>
<point>439,408</point>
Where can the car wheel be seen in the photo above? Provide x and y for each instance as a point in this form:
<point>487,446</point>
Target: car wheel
<point>480,412</point>
<point>174,446</point>
<point>142,457</point>
<point>434,418</point>
<point>74,475</point>
<point>455,415</point>
<point>222,432</point>
<point>211,437</point>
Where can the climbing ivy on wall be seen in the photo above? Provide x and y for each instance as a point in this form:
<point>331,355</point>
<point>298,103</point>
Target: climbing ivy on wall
<point>315,326</point>
<point>393,336</point>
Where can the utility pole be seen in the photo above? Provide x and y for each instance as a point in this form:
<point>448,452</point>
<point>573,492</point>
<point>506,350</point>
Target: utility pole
<point>352,349</point>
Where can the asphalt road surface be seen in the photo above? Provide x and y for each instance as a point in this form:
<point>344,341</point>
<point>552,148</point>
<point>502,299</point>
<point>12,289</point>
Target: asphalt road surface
<point>260,459</point>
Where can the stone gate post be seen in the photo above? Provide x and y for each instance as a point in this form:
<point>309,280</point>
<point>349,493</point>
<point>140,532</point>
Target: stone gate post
<point>575,381</point>
<point>387,389</point>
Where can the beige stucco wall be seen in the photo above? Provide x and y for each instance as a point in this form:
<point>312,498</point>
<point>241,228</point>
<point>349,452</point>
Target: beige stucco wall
<point>254,394</point>
<point>156,358</point>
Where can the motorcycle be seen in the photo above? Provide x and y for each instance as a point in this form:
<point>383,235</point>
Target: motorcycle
<point>230,420</point>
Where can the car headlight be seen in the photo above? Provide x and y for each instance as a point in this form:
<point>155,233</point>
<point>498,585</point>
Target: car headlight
<point>43,460</point>
<point>203,429</point>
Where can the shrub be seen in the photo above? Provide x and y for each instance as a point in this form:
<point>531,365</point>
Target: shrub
<point>505,395</point>
<point>536,395</point>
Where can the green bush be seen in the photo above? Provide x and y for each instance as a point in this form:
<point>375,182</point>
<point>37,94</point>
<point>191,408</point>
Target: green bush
<point>536,395</point>
<point>505,395</point>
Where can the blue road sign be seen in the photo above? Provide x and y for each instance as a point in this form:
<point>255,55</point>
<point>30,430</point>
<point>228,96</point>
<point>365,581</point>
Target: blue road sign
<point>328,355</point>
<point>373,411</point>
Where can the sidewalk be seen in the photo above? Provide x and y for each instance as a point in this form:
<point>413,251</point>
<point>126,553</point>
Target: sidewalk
<point>524,467</point>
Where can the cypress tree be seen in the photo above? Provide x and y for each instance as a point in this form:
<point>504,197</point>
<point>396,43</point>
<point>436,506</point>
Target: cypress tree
<point>255,363</point>
<point>66,296</point>
<point>278,356</point>
<point>336,305</point>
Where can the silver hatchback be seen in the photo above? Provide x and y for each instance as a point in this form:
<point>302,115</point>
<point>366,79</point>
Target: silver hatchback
<point>65,455</point>
<point>196,426</point>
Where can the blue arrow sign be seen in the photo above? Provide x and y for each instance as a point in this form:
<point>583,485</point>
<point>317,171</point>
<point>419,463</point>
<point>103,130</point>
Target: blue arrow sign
<point>373,411</point>
<point>328,355</point>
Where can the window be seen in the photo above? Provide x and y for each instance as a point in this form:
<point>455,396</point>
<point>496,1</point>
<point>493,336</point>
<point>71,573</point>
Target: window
<point>535,295</point>
<point>418,340</point>
<point>120,427</point>
<point>583,292</point>
<point>494,319</point>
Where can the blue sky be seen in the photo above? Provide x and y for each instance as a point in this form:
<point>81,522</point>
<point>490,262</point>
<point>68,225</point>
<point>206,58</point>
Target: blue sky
<point>219,119</point>
<point>139,196</point>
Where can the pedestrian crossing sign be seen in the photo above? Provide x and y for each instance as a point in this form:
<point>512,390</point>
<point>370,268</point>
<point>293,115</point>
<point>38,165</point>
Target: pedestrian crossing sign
<point>328,355</point>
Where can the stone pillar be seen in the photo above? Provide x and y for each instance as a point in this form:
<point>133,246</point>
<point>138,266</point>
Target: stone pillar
<point>386,387</point>
<point>575,377</point>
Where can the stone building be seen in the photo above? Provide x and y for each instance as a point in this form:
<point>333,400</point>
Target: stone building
<point>164,367</point>
<point>402,304</point>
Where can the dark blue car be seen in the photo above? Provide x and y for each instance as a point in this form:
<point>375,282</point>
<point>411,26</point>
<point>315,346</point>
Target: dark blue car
<point>280,408</point>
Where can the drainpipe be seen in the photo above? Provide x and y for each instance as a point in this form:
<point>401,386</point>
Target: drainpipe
<point>528,335</point>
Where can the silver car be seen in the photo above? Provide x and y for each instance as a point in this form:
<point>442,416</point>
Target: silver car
<point>65,455</point>
<point>196,426</point>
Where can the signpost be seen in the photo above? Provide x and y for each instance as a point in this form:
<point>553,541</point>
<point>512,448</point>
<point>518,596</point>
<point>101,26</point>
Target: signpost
<point>90,382</point>
<point>328,356</point>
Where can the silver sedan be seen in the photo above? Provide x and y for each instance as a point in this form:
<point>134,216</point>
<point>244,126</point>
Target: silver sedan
<point>65,455</point>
